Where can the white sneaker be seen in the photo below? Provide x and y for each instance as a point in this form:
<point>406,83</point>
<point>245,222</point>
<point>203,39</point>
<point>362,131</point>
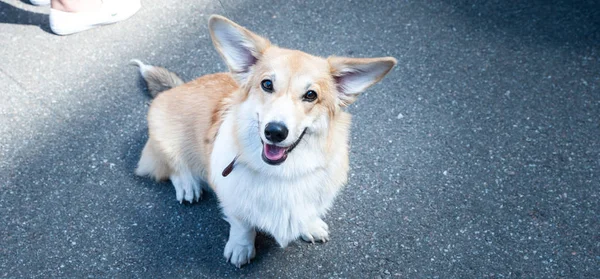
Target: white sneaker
<point>40,2</point>
<point>65,23</point>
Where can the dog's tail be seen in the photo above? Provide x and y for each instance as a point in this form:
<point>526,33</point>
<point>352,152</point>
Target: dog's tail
<point>157,79</point>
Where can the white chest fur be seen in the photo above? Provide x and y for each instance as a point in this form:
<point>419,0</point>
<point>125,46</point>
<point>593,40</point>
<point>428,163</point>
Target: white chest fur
<point>279,205</point>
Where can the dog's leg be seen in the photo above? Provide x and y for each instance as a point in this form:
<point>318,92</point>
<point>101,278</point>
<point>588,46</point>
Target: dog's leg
<point>317,230</point>
<point>186,186</point>
<point>151,163</point>
<point>239,249</point>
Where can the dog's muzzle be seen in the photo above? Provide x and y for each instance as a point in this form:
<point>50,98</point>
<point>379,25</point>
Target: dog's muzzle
<point>275,155</point>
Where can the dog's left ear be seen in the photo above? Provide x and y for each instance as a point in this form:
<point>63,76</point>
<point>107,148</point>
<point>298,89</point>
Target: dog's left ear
<point>239,47</point>
<point>354,75</point>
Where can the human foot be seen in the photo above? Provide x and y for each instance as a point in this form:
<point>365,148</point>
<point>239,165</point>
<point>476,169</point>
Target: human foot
<point>87,16</point>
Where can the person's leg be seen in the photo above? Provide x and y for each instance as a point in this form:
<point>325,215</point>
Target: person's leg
<point>76,6</point>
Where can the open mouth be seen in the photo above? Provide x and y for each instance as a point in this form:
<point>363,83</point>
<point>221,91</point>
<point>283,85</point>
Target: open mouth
<point>275,155</point>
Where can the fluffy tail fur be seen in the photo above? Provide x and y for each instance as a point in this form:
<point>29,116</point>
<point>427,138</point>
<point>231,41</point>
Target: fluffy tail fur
<point>157,79</point>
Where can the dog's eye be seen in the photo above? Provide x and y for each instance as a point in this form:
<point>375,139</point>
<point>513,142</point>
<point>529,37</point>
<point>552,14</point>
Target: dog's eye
<point>267,85</point>
<point>309,96</point>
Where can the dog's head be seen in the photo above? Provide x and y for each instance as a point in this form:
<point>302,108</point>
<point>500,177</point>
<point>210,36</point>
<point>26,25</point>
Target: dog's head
<point>288,96</point>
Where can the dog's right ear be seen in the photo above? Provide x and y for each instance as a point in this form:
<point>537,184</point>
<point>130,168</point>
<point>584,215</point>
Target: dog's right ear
<point>239,47</point>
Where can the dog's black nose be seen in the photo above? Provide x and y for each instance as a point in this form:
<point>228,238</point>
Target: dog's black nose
<point>276,131</point>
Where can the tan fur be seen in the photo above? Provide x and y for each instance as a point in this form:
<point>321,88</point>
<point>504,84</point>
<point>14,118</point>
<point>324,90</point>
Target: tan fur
<point>157,79</point>
<point>183,123</point>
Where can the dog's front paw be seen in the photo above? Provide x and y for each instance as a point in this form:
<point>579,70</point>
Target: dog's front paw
<point>186,187</point>
<point>316,231</point>
<point>238,254</point>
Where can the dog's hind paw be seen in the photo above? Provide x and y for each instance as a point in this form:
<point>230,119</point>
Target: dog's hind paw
<point>316,231</point>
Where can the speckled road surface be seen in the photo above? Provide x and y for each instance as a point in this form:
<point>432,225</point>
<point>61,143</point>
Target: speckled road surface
<point>477,157</point>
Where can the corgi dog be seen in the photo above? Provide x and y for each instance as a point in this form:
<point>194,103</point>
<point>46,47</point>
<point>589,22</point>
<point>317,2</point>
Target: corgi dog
<point>269,137</point>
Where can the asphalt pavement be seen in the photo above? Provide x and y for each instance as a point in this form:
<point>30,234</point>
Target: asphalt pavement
<point>478,156</point>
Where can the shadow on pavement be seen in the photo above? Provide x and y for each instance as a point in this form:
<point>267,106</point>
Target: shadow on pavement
<point>73,199</point>
<point>542,22</point>
<point>12,15</point>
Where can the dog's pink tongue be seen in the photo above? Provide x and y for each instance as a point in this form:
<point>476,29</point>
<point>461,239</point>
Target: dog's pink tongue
<point>273,152</point>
